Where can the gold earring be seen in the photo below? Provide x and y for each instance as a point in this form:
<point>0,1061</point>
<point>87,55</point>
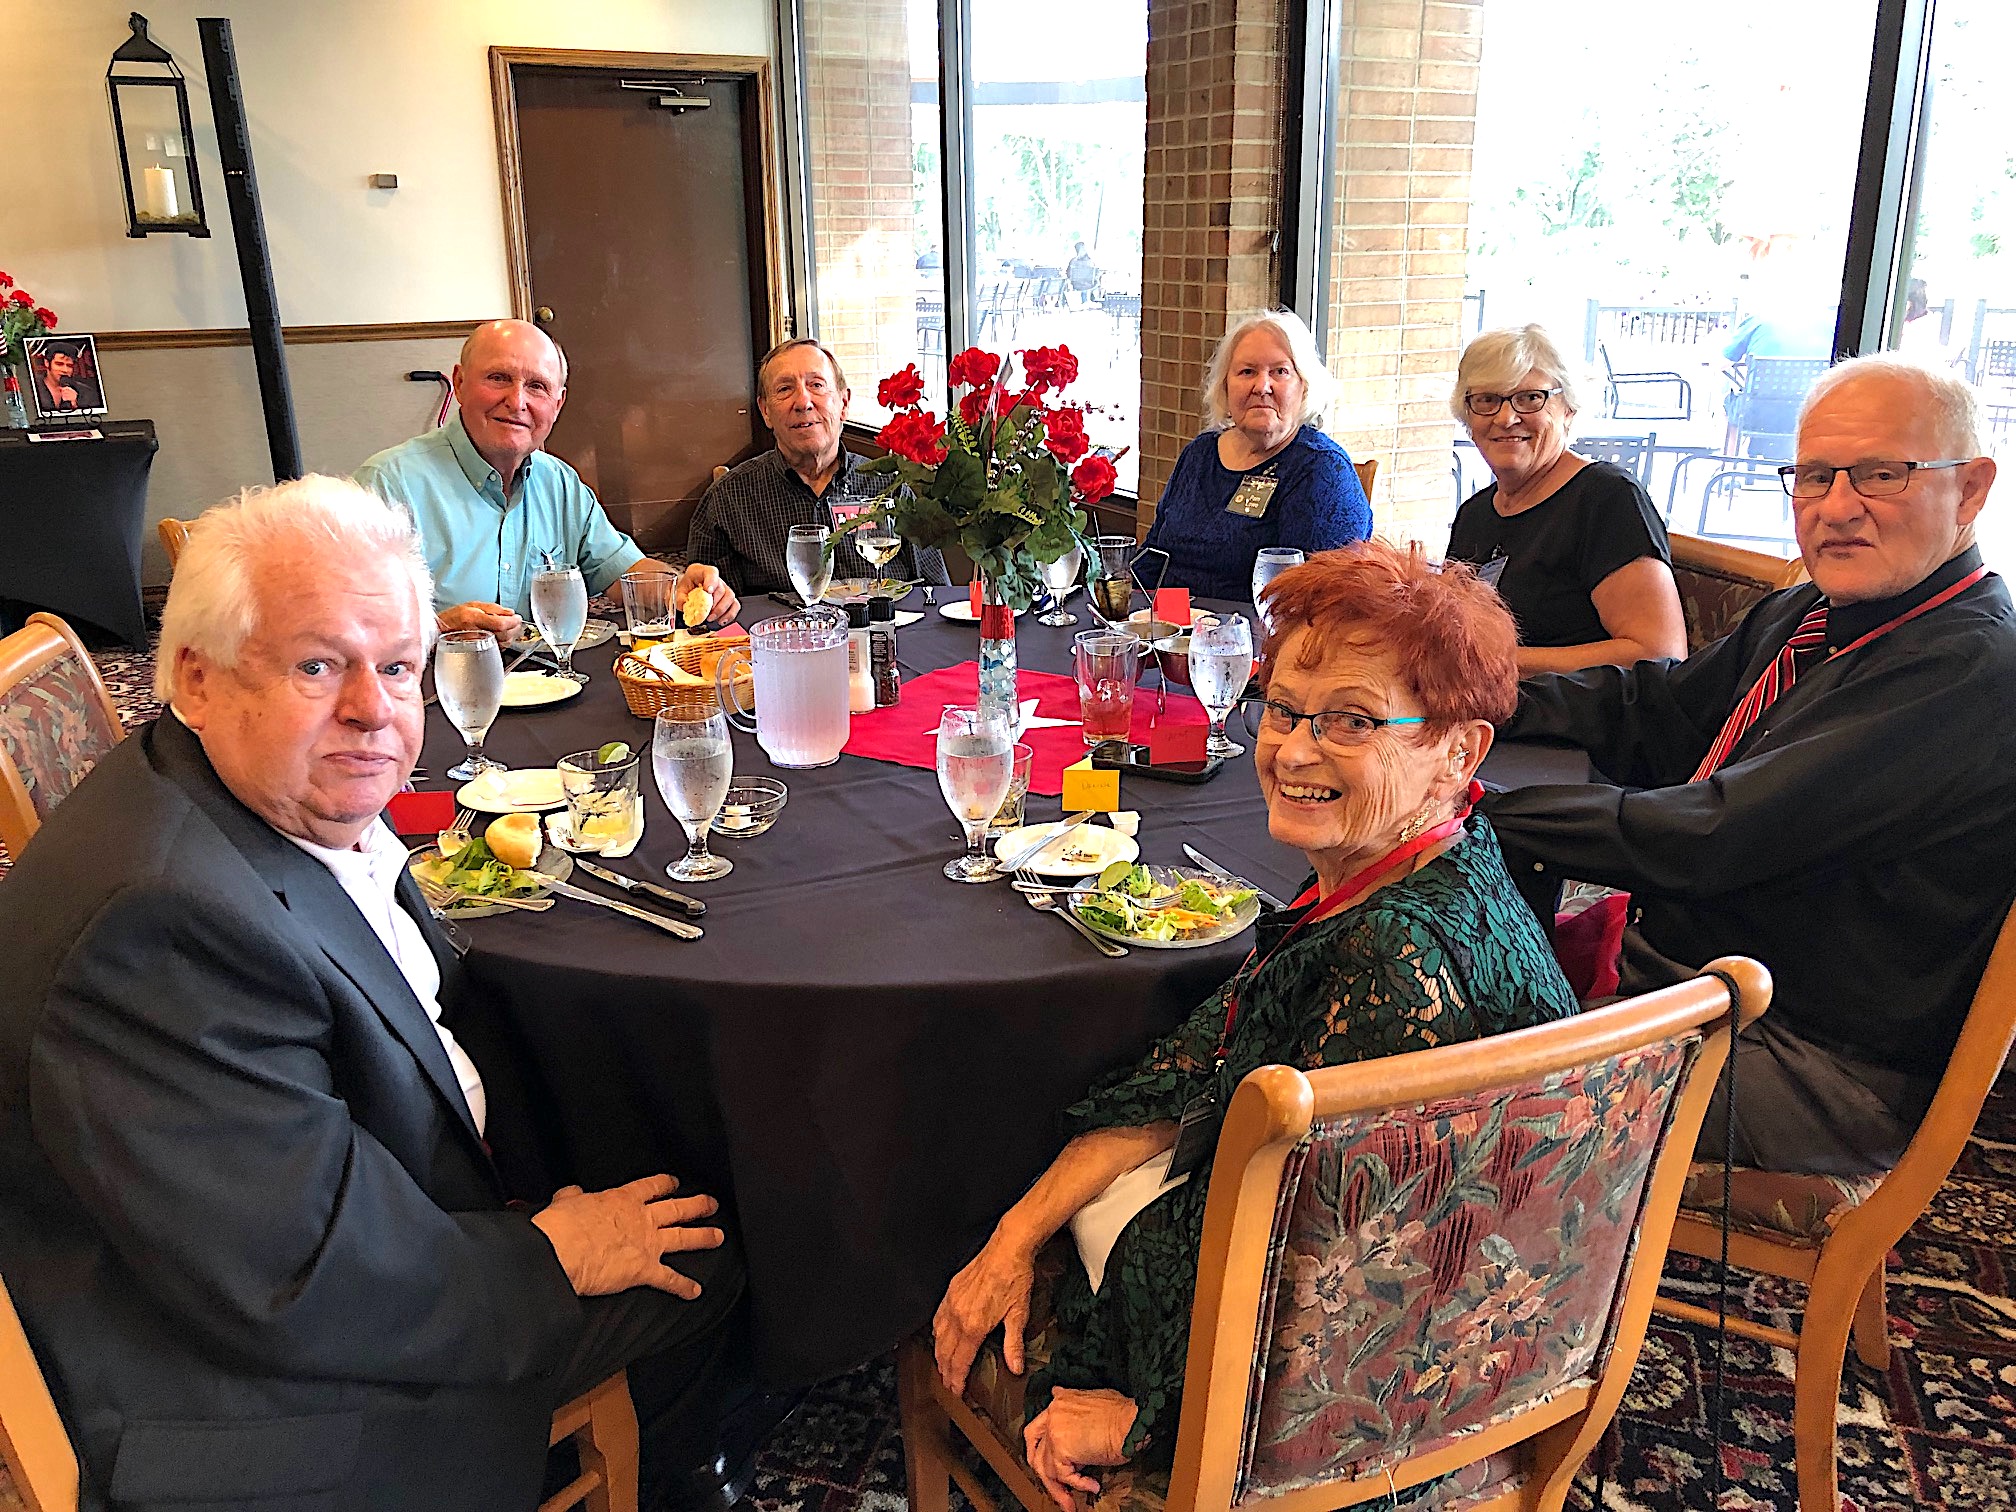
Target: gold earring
<point>1416,827</point>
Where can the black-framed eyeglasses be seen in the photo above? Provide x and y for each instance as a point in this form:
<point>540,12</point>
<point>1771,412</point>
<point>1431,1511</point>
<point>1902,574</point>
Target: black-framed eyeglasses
<point>1872,480</point>
<point>1342,728</point>
<point>1524,402</point>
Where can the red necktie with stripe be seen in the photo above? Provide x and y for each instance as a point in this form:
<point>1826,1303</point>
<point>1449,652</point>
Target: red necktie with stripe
<point>1810,636</point>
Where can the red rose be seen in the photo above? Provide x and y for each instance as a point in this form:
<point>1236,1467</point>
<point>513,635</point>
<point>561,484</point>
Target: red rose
<point>1013,399</point>
<point>901,390</point>
<point>974,367</point>
<point>21,297</point>
<point>6,280</point>
<point>915,435</point>
<point>973,403</point>
<point>1050,368</point>
<point>1064,434</point>
<point>47,317</point>
<point>1094,478</point>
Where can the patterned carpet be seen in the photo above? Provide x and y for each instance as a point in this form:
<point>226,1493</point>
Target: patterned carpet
<point>1938,1429</point>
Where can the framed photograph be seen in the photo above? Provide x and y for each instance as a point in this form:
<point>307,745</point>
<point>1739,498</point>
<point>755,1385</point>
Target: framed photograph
<point>63,382</point>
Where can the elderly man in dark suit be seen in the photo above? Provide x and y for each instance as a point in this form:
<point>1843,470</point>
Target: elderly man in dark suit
<point>246,1210</point>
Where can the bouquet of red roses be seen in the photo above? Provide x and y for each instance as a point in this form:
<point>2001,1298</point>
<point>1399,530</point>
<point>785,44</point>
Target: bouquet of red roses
<point>19,316</point>
<point>999,476</point>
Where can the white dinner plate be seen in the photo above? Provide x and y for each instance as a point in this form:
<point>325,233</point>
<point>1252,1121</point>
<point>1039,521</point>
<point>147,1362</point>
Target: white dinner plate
<point>532,690</point>
<point>1106,845</point>
<point>552,866</point>
<point>960,612</point>
<point>531,790</point>
<point>1169,876</point>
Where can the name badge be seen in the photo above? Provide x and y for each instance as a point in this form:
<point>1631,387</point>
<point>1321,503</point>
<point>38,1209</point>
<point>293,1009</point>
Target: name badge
<point>1252,497</point>
<point>1491,571</point>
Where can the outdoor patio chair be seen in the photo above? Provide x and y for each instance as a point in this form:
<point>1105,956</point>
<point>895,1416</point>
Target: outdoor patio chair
<point>1764,409</point>
<point>1757,483</point>
<point>1720,584</point>
<point>1632,453</point>
<point>1680,392</point>
<point>1834,1234</point>
<point>56,723</point>
<point>1423,1266</point>
<point>37,1458</point>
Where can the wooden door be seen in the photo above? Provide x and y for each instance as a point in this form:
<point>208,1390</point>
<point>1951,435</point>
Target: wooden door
<point>642,242</point>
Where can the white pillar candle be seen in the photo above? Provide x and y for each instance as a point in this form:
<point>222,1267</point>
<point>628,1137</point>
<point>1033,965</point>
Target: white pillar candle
<point>157,194</point>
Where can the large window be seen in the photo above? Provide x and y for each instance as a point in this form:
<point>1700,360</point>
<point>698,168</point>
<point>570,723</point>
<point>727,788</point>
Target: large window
<point>1047,225</point>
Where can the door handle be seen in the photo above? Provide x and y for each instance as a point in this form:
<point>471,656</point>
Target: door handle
<point>544,315</point>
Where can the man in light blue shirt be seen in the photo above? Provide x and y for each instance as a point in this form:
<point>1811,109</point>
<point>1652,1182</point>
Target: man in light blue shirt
<point>489,503</point>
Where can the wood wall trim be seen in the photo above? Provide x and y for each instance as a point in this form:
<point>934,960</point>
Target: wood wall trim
<point>307,335</point>
<point>504,108</point>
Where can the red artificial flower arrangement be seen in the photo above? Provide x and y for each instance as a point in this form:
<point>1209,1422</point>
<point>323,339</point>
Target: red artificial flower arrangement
<point>998,476</point>
<point>20,317</point>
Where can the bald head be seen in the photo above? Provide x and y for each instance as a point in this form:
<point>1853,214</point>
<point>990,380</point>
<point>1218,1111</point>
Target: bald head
<point>510,384</point>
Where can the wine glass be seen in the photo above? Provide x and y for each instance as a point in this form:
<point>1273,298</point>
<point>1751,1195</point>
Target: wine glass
<point>693,764</point>
<point>976,761</point>
<point>469,681</point>
<point>878,542</point>
<point>1058,576</point>
<point>806,560</point>
<point>1221,664</point>
<point>1267,566</point>
<point>560,610</point>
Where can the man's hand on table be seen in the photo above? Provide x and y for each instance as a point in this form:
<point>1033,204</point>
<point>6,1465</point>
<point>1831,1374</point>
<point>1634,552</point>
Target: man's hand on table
<point>477,615</point>
<point>612,1240</point>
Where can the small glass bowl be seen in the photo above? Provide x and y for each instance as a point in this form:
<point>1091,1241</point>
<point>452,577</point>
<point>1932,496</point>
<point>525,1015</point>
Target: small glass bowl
<point>752,806</point>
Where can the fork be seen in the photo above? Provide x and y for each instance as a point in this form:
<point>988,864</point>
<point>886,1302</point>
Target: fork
<point>441,897</point>
<point>1044,900</point>
<point>460,828</point>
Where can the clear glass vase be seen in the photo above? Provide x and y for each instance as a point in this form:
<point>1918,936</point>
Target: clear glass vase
<point>998,695</point>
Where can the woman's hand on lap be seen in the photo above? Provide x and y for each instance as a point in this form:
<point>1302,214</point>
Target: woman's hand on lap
<point>1078,1429</point>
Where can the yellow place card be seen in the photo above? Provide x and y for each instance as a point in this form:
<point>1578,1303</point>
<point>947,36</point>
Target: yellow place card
<point>1085,788</point>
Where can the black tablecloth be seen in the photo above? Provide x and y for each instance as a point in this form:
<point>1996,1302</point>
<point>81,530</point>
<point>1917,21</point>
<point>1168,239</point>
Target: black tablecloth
<point>74,513</point>
<point>864,1057</point>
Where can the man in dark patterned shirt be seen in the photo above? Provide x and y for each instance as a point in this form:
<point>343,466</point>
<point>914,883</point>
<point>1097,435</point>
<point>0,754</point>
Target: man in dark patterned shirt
<point>742,522</point>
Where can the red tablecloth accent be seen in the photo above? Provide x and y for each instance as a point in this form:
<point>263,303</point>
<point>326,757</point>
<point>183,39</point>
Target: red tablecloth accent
<point>907,733</point>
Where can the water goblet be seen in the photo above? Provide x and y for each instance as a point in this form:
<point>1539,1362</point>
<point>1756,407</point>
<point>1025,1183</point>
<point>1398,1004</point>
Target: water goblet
<point>1058,576</point>
<point>560,610</point>
<point>693,763</point>
<point>1271,562</point>
<point>976,761</point>
<point>805,558</point>
<point>1221,664</point>
<point>469,681</point>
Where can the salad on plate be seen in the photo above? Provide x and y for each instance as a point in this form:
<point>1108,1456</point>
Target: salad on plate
<point>1165,905</point>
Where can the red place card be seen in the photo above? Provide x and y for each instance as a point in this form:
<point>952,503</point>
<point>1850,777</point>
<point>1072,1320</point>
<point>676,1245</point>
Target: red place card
<point>1170,744</point>
<point>420,813</point>
<point>1172,605</point>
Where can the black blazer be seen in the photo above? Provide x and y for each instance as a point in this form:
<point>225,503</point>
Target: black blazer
<point>256,1242</point>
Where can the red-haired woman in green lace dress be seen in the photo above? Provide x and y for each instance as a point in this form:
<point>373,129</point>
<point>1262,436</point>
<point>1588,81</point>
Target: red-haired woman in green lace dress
<point>1384,678</point>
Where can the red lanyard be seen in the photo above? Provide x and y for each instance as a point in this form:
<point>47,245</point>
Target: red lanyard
<point>1341,897</point>
<point>1908,615</point>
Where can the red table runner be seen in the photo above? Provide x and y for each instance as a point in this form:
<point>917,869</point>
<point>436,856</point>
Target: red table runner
<point>907,732</point>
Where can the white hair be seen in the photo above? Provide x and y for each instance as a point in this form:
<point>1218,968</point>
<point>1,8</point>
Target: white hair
<point>213,599</point>
<point>1955,408</point>
<point>1497,362</point>
<point>1319,388</point>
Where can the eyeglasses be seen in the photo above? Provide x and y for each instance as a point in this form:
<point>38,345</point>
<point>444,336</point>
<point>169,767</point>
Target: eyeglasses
<point>1872,480</point>
<point>1341,728</point>
<point>1524,402</point>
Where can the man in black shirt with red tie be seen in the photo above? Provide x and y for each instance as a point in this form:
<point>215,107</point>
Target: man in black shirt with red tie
<point>1831,788</point>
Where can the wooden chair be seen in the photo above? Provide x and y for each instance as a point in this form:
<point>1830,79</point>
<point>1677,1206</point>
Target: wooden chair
<point>1368,474</point>
<point>1834,1234</point>
<point>1503,1206</point>
<point>56,723</point>
<point>35,1451</point>
<point>1719,584</point>
<point>174,536</point>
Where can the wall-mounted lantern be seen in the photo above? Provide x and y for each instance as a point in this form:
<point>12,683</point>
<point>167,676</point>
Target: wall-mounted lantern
<point>157,151</point>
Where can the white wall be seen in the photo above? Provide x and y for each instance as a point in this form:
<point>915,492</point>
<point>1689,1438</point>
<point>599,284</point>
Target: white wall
<point>335,90</point>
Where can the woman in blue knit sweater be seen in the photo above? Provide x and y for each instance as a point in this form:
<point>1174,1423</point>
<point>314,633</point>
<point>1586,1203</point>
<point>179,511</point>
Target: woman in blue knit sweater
<point>1263,474</point>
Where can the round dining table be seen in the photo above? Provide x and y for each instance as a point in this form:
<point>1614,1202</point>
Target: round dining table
<point>862,1058</point>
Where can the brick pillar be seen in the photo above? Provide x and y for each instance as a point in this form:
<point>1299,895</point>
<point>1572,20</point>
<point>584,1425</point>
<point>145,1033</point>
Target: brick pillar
<point>1406,121</point>
<point>1211,204</point>
<point>857,64</point>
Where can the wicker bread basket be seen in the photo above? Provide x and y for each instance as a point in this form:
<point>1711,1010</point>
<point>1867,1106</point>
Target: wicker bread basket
<point>648,691</point>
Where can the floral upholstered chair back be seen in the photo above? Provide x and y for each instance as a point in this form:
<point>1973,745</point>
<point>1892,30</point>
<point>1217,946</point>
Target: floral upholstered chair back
<point>1437,1268</point>
<point>1719,584</point>
<point>56,723</point>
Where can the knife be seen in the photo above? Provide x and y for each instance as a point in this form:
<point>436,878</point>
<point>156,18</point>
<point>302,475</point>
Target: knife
<point>677,927</point>
<point>1021,857</point>
<point>1218,871</point>
<point>691,906</point>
